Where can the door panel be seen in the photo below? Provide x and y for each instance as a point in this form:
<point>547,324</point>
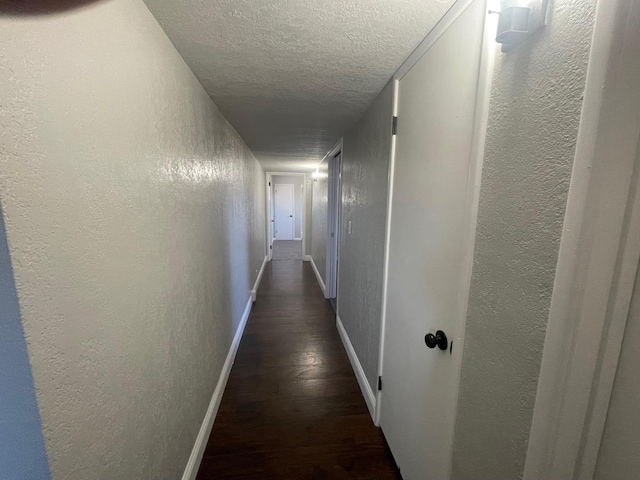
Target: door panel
<point>284,211</point>
<point>429,247</point>
<point>333,225</point>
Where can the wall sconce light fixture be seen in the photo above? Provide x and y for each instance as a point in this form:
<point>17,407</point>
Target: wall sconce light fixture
<point>519,21</point>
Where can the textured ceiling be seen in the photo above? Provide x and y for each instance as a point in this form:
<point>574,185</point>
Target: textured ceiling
<point>293,75</point>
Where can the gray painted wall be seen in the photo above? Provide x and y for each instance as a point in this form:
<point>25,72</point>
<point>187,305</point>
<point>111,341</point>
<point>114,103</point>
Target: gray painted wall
<point>297,181</point>
<point>536,99</point>
<point>618,457</point>
<point>320,197</point>
<point>135,222</point>
<point>365,171</point>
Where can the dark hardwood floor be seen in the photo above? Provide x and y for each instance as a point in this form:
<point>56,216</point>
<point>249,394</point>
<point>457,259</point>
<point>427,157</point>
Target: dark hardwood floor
<point>292,408</point>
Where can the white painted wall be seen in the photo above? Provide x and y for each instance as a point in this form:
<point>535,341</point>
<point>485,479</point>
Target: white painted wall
<point>365,170</point>
<point>536,99</point>
<point>135,221</point>
<point>298,199</point>
<point>319,202</point>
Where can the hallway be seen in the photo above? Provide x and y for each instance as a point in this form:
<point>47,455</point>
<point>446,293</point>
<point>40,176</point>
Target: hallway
<point>183,184</point>
<point>292,407</point>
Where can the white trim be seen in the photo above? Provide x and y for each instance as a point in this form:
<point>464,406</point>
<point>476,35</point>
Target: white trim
<point>303,196</point>
<point>367,392</point>
<point>270,229</point>
<point>315,270</point>
<point>254,290</point>
<point>297,238</point>
<point>598,258</point>
<point>333,220</point>
<point>337,148</point>
<point>193,464</point>
<point>307,258</point>
<point>387,237</point>
<point>303,221</point>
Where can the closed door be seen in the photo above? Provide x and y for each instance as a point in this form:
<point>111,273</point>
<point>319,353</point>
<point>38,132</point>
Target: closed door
<point>284,203</point>
<point>429,247</point>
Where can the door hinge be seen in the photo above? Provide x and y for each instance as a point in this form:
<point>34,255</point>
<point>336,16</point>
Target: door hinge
<point>394,126</point>
<point>379,383</point>
<point>270,247</point>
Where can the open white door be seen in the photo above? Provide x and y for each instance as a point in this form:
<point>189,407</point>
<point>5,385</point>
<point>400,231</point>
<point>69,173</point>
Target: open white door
<point>429,244</point>
<point>283,210</point>
<point>333,219</point>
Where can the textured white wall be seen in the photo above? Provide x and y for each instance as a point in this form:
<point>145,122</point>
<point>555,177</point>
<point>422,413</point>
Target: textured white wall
<point>319,219</point>
<point>535,106</point>
<point>365,173</point>
<point>135,222</point>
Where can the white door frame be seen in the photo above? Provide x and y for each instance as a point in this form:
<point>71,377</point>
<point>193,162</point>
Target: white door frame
<point>270,200</point>
<point>598,257</point>
<point>304,206</point>
<point>333,224</point>
<point>475,173</point>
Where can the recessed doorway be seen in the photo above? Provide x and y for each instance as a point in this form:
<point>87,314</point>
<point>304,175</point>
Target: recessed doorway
<point>286,201</point>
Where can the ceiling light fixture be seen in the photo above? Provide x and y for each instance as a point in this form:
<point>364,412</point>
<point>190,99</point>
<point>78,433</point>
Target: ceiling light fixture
<point>519,21</point>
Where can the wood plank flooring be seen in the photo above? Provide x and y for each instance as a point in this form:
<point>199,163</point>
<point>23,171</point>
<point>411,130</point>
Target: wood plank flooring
<point>292,408</point>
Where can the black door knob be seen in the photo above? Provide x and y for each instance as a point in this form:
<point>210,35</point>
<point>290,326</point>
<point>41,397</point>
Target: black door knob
<point>439,340</point>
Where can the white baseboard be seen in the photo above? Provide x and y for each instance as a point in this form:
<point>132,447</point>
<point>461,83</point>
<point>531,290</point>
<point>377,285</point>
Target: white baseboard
<point>367,392</point>
<point>307,258</point>
<point>193,464</point>
<point>315,270</point>
<point>254,290</point>
<point>297,238</point>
